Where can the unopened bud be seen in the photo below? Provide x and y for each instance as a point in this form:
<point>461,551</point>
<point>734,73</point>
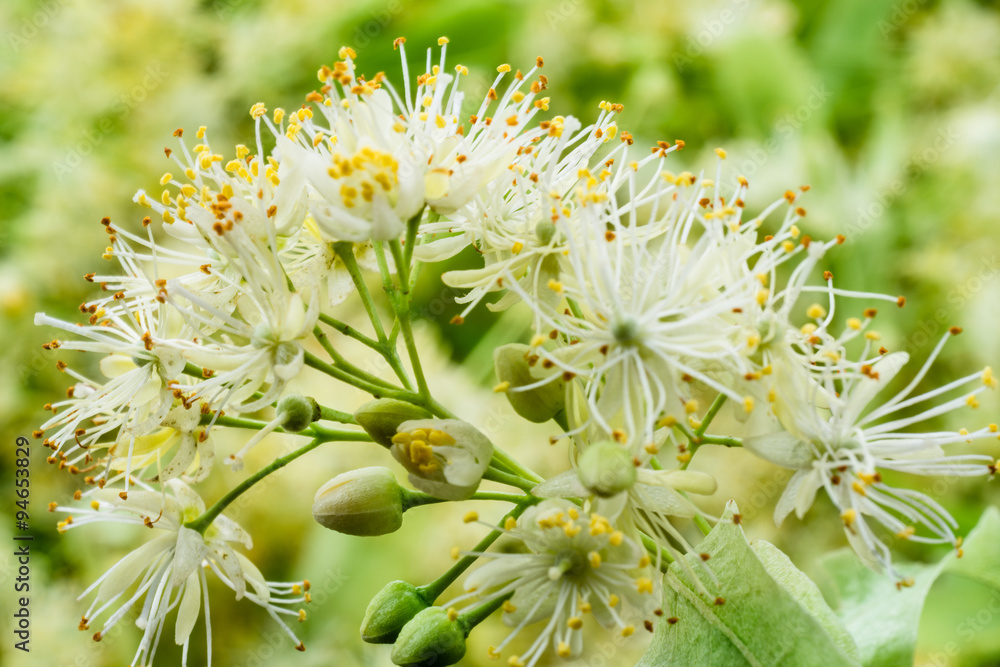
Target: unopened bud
<point>381,418</point>
<point>300,411</point>
<point>431,639</point>
<point>539,404</point>
<point>363,502</point>
<point>606,469</point>
<point>392,608</point>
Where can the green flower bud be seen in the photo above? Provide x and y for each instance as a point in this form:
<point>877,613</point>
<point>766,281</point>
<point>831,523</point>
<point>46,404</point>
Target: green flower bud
<point>536,405</point>
<point>390,610</point>
<point>300,411</point>
<point>381,418</point>
<point>606,469</point>
<point>431,639</point>
<point>362,502</point>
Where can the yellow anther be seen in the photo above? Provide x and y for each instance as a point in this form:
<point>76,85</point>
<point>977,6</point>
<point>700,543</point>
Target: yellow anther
<point>594,558</point>
<point>816,311</point>
<point>644,585</point>
<point>452,614</point>
<point>470,517</point>
<point>575,623</point>
<point>628,630</point>
<point>849,516</point>
<point>516,248</point>
<point>853,323</point>
<point>503,68</point>
<point>691,406</point>
<point>613,600</point>
<point>501,387</point>
<point>721,153</point>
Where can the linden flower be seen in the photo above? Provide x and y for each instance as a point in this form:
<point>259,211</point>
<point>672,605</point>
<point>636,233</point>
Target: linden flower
<point>513,224</point>
<point>635,498</point>
<point>139,367</point>
<point>168,572</point>
<point>839,440</point>
<point>571,565</point>
<point>269,315</point>
<point>445,457</point>
<point>252,190</point>
<point>642,312</point>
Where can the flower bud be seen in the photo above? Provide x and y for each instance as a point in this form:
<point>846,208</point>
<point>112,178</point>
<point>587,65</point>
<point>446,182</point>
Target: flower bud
<point>300,411</point>
<point>381,418</point>
<point>445,457</point>
<point>536,405</point>
<point>390,610</point>
<point>606,469</point>
<point>362,502</point>
<point>431,639</point>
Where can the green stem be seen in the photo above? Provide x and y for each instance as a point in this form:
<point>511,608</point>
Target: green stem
<point>413,499</point>
<point>494,475</point>
<point>432,591</point>
<point>329,414</point>
<point>724,440</point>
<point>349,331</point>
<point>376,390</point>
<point>474,617</point>
<point>202,523</point>
<point>345,251</point>
<point>341,362</point>
<point>256,425</point>
<point>510,462</point>
<point>710,415</point>
<point>401,302</point>
<point>655,549</point>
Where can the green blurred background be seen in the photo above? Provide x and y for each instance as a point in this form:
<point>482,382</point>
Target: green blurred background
<point>889,110</point>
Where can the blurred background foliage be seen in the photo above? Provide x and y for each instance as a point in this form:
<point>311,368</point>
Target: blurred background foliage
<point>889,110</point>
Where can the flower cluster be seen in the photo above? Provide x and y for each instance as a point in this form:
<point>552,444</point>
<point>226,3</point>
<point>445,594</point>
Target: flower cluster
<point>655,299</point>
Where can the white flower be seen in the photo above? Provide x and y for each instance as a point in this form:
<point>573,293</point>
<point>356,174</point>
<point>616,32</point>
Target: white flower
<point>571,564</point>
<point>140,366</point>
<point>640,312</point>
<point>445,457</point>
<point>168,572</point>
<point>513,223</point>
<point>839,439</point>
<point>270,316</point>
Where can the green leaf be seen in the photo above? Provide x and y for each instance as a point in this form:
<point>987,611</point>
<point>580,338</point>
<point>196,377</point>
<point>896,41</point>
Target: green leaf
<point>884,619</point>
<point>981,551</point>
<point>772,614</point>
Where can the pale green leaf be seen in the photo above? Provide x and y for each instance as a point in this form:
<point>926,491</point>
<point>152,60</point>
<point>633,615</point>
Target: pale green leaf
<point>772,615</point>
<point>884,618</point>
